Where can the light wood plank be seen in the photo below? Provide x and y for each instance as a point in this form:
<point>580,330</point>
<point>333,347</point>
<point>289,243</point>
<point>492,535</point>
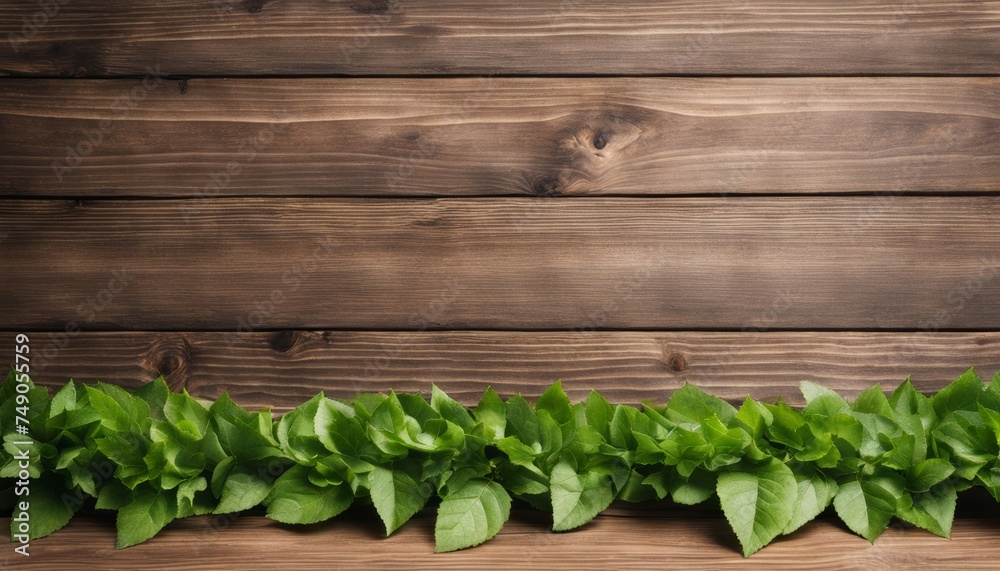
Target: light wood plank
<point>518,264</point>
<point>258,37</point>
<point>357,541</point>
<point>463,137</point>
<point>284,369</point>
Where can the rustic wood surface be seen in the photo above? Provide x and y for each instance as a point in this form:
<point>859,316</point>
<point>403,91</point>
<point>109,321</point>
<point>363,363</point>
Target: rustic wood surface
<point>925,263</point>
<point>285,368</point>
<point>465,137</point>
<point>258,37</point>
<point>617,539</point>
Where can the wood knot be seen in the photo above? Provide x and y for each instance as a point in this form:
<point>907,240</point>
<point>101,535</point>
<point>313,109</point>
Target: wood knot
<point>284,341</point>
<point>377,7</point>
<point>545,186</point>
<point>171,358</point>
<point>676,362</point>
<point>253,6</point>
<point>600,140</point>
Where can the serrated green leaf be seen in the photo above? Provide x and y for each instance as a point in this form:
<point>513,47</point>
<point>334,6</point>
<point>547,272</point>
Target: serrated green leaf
<point>815,491</point>
<point>758,502</point>
<point>397,496</point>
<point>962,394</point>
<point>149,512</point>
<point>243,488</point>
<point>577,497</point>
<point>155,394</point>
<point>872,400</point>
<point>933,510</point>
<point>47,509</point>
<point>471,515</point>
<point>694,489</point>
<point>755,416</point>
<point>690,404</point>
<point>555,402</point>
<point>929,473</point>
<point>599,413</point>
<point>450,409</point>
<point>492,411</point>
<point>865,507</point>
<point>294,499</point>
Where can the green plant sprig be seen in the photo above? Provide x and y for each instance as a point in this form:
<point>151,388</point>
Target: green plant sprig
<point>155,455</point>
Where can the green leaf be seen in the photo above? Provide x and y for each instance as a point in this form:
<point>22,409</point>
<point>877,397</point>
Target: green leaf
<point>828,400</point>
<point>865,507</point>
<point>451,410</point>
<point>815,492</point>
<point>962,394</point>
<point>472,514</point>
<point>555,402</point>
<point>577,497</point>
<point>933,510</point>
<point>873,401</point>
<point>758,502</point>
<point>244,488</point>
<point>599,413</point>
<point>755,416</point>
<point>397,496</point>
<point>149,512</point>
<point>931,472</point>
<point>181,407</point>
<point>694,489</point>
<point>155,393</point>
<point>690,404</point>
<point>47,509</point>
<point>492,411</point>
<point>119,411</point>
<point>294,499</point>
<point>522,422</point>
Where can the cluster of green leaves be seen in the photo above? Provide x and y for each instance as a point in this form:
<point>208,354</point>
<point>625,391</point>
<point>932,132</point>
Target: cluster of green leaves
<point>155,455</point>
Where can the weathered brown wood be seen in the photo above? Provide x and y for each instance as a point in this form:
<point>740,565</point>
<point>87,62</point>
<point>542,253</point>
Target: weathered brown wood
<point>514,263</point>
<point>284,369</point>
<point>210,137</point>
<point>357,541</point>
<point>258,37</point>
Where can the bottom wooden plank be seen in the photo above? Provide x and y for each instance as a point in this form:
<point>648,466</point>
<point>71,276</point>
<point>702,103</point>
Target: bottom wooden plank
<point>285,368</point>
<point>616,539</point>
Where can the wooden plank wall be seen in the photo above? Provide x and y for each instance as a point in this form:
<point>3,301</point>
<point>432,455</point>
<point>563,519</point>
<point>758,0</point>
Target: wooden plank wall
<point>277,197</point>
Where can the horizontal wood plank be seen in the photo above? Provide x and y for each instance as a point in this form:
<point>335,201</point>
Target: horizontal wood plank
<point>297,37</point>
<point>284,369</point>
<point>613,540</point>
<point>464,137</point>
<point>924,263</point>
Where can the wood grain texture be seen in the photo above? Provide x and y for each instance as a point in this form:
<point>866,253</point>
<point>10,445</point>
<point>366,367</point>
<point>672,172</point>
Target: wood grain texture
<point>284,369</point>
<point>616,539</point>
<point>258,37</point>
<point>464,137</point>
<point>517,263</point>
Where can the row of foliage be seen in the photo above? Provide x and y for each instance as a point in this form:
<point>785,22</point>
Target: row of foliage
<point>155,455</point>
